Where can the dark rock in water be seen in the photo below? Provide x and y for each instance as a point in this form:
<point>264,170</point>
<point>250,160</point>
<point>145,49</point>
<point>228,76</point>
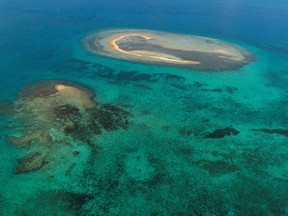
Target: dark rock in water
<point>220,133</point>
<point>75,152</point>
<point>65,111</point>
<point>272,131</point>
<point>32,162</point>
<point>111,117</point>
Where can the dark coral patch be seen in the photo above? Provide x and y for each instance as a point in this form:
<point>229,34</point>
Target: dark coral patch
<point>228,89</point>
<point>65,111</point>
<point>221,133</point>
<point>54,202</point>
<point>32,162</point>
<point>136,76</point>
<point>186,151</point>
<point>185,131</point>
<point>75,200</point>
<point>273,131</point>
<point>219,167</point>
<point>133,76</point>
<point>111,117</point>
<point>83,129</point>
<point>103,117</point>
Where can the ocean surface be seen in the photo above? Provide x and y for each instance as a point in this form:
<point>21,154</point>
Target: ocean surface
<point>194,142</point>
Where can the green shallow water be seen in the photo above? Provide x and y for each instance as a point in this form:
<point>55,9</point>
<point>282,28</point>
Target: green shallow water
<point>163,163</point>
<point>168,160</point>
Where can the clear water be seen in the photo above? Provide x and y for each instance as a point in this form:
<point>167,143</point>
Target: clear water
<point>163,163</point>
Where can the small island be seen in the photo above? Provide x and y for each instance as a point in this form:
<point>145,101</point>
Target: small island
<point>168,49</point>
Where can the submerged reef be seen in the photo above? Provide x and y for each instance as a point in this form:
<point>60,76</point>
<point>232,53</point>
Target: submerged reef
<point>217,168</point>
<point>6,108</point>
<point>282,132</point>
<point>53,114</point>
<point>54,202</point>
<point>221,133</point>
<point>169,49</point>
<point>30,163</point>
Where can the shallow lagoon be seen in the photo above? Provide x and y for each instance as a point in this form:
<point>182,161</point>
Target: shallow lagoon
<point>197,143</point>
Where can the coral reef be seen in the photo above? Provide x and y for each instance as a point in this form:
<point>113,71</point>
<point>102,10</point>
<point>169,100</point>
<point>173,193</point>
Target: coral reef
<point>217,168</point>
<point>54,113</point>
<point>221,133</point>
<point>6,108</point>
<point>32,162</point>
<point>54,202</point>
<point>24,141</point>
<point>272,131</point>
<point>110,117</point>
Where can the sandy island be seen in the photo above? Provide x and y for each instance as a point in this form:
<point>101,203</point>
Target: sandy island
<point>75,95</point>
<point>113,44</point>
<point>167,49</point>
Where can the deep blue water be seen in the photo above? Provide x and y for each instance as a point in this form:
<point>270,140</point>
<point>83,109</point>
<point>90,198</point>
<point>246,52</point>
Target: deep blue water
<point>171,111</point>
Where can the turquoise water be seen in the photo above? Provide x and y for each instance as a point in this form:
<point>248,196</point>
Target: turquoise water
<point>168,160</point>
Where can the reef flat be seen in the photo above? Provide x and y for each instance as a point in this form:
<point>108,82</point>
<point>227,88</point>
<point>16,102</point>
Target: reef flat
<point>169,49</point>
<point>55,115</point>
